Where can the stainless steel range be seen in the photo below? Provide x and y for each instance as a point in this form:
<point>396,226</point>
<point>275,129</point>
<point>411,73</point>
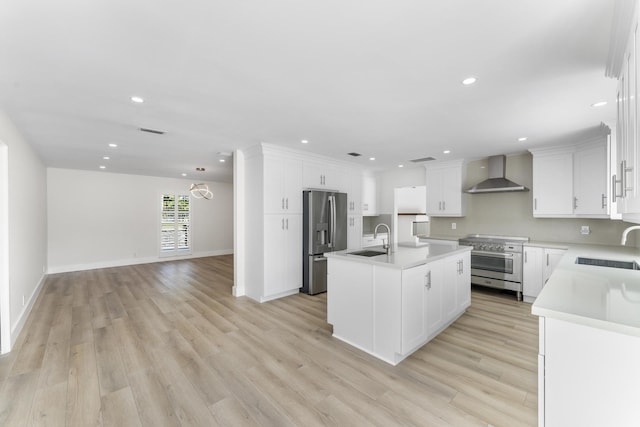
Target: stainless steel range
<point>496,261</point>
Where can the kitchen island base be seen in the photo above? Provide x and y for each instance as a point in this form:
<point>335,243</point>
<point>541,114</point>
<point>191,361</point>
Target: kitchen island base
<point>390,311</point>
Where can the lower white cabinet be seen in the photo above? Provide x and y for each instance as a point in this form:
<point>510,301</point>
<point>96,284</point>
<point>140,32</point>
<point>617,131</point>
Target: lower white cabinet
<point>282,255</point>
<point>587,376</point>
<point>537,265</point>
<point>391,312</point>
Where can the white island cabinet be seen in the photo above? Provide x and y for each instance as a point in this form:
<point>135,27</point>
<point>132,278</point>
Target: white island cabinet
<point>391,305</point>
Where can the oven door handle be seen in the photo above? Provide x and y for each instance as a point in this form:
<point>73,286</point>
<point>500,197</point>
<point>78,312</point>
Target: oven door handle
<point>492,254</point>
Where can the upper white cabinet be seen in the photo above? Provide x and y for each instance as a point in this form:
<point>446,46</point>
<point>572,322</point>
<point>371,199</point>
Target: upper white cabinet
<point>369,195</point>
<point>626,179</point>
<point>571,181</point>
<point>323,176</point>
<point>282,185</point>
<point>353,188</point>
<point>444,189</point>
<point>411,200</point>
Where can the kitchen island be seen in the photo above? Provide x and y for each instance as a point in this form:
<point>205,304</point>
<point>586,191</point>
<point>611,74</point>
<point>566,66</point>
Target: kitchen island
<point>589,349</point>
<point>391,305</point>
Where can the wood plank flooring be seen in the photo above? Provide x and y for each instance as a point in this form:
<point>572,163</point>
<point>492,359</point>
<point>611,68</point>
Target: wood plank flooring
<point>167,345</point>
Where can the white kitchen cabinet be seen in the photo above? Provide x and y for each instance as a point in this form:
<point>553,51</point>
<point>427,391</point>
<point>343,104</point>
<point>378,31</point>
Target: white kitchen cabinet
<point>626,179</point>
<point>283,254</point>
<point>415,305</point>
<point>537,265</point>
<point>353,187</point>
<point>587,376</point>
<point>444,189</point>
<point>411,200</point>
<point>354,231</point>
<point>369,195</point>
<point>571,181</point>
<point>391,312</point>
<point>282,185</point>
<point>323,176</point>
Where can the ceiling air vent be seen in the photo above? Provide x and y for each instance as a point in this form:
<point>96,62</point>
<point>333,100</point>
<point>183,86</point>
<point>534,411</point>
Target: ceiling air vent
<point>155,131</point>
<point>355,154</point>
<point>424,159</point>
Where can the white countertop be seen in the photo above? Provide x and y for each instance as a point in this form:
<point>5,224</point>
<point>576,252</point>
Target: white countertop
<point>402,257</point>
<point>602,297</point>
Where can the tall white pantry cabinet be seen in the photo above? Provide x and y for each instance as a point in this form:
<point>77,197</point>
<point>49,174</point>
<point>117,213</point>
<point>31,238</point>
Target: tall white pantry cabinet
<point>274,181</point>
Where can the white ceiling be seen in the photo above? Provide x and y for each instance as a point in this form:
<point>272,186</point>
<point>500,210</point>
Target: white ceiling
<point>379,77</point>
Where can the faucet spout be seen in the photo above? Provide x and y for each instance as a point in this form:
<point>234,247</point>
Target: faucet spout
<point>625,233</point>
<point>386,246</point>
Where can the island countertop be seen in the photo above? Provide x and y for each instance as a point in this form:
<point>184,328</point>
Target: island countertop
<point>402,257</point>
<point>602,297</point>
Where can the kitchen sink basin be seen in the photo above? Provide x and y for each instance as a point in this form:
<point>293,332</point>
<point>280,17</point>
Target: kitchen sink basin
<point>627,265</point>
<point>367,253</point>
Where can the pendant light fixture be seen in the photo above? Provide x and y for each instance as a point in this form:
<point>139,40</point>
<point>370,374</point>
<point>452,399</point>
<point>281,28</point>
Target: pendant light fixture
<point>201,191</point>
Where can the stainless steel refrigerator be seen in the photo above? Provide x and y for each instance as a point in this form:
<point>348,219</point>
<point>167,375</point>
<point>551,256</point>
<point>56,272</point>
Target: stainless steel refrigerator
<point>324,219</point>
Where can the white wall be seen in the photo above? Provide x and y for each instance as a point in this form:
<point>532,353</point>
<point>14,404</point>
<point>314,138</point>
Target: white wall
<point>99,219</point>
<point>388,181</point>
<point>27,230</point>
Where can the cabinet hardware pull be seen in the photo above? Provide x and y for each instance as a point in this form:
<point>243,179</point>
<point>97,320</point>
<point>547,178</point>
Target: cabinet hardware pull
<point>287,203</point>
<point>283,203</point>
<point>625,171</point>
<point>287,223</point>
<point>604,201</point>
<point>525,256</point>
<point>547,260</point>
<point>575,203</point>
<point>283,223</point>
<point>444,204</point>
<point>535,203</point>
<point>428,280</point>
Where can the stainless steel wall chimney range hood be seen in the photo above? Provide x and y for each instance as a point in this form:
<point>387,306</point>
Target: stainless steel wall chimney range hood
<point>497,183</point>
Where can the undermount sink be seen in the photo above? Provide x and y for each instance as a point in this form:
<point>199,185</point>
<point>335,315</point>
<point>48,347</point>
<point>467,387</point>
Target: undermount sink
<point>627,265</point>
<point>367,252</point>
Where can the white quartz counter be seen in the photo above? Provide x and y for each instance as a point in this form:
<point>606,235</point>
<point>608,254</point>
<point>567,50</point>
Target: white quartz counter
<point>602,297</point>
<point>402,257</point>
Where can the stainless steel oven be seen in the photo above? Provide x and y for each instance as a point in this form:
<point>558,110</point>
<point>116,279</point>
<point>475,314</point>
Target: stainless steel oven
<point>496,261</point>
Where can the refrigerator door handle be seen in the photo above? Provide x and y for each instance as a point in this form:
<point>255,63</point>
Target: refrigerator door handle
<point>332,208</point>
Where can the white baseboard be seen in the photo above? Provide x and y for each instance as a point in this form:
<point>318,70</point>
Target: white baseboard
<point>133,261</point>
<point>26,310</point>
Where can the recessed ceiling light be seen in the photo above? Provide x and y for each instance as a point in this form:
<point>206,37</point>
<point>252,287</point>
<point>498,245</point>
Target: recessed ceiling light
<point>372,158</point>
<point>221,160</point>
<point>447,151</point>
<point>599,104</point>
<point>137,99</point>
<point>184,174</point>
<point>112,145</point>
<point>106,158</point>
<point>400,166</point>
<point>102,167</point>
<point>522,138</point>
<point>304,141</point>
<point>469,81</point>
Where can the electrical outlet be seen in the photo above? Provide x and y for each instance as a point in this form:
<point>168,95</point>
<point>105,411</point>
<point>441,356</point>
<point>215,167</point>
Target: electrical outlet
<point>585,230</point>
<point>453,225</point>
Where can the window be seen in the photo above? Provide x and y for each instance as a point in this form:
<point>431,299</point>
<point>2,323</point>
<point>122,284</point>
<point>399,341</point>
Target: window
<point>175,224</point>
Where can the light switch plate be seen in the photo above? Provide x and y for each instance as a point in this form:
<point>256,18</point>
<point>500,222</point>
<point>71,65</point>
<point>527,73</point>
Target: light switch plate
<point>585,230</point>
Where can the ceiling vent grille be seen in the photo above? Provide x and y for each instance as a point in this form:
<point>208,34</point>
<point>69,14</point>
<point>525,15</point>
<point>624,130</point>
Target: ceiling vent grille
<point>355,154</point>
<point>424,159</point>
<point>154,131</point>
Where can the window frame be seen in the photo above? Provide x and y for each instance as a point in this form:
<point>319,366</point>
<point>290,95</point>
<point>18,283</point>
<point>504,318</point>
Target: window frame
<point>176,250</point>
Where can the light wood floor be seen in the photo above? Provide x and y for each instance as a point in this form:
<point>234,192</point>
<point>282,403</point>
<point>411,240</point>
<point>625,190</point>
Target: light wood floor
<point>167,344</point>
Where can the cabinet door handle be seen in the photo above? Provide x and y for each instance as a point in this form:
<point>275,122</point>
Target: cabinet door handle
<point>547,260</point>
<point>444,204</point>
<point>614,181</point>
<point>604,201</point>
<point>283,223</point>
<point>575,203</point>
<point>439,206</point>
<point>525,256</point>
<point>535,204</point>
<point>282,203</point>
<point>287,203</point>
<point>287,223</point>
<point>427,280</point>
